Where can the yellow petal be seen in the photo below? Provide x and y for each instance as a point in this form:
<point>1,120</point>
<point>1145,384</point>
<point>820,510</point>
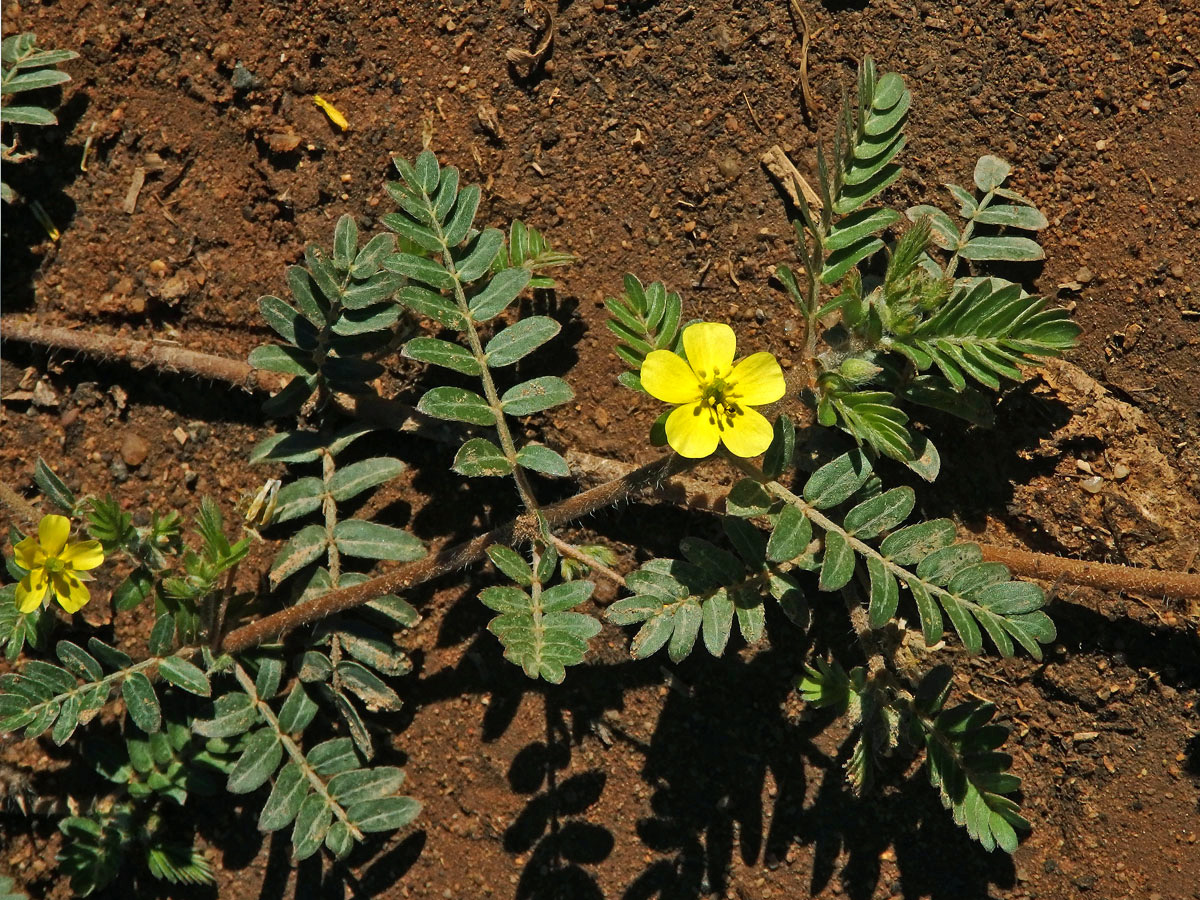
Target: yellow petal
<point>748,434</point>
<point>757,379</point>
<point>83,555</point>
<point>667,377</point>
<point>28,554</point>
<point>691,432</point>
<point>31,591</point>
<point>709,347</point>
<point>53,532</point>
<point>70,592</point>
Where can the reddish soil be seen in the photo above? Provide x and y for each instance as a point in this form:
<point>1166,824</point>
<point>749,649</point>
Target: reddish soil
<point>636,147</point>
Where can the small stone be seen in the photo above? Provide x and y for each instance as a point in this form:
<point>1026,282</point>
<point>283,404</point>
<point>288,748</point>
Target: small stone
<point>1120,472</point>
<point>134,449</point>
<point>174,287</point>
<point>44,396</point>
<point>158,268</point>
<point>730,167</point>
<point>1084,275</point>
<point>118,471</point>
<point>242,79</point>
<point>1092,485</point>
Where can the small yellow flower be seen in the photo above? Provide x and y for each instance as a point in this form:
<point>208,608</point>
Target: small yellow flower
<point>55,566</point>
<point>716,394</point>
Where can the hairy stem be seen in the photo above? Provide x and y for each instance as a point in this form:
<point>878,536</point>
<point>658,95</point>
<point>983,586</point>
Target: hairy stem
<point>18,505</point>
<point>687,492</point>
<point>163,356</point>
<point>578,555</point>
<point>450,559</point>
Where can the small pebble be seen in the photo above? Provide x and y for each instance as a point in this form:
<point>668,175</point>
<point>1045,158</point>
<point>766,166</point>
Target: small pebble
<point>1120,472</point>
<point>1092,485</point>
<point>134,449</point>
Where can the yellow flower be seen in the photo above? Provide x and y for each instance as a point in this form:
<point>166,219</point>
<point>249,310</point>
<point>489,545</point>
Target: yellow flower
<point>716,394</point>
<point>55,566</point>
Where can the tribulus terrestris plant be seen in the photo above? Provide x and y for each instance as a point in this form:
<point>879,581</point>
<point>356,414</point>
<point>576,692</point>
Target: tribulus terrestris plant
<point>902,313</point>
<point>25,67</point>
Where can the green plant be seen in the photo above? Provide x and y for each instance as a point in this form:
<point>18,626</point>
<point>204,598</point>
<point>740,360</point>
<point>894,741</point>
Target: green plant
<point>26,67</point>
<point>232,687</point>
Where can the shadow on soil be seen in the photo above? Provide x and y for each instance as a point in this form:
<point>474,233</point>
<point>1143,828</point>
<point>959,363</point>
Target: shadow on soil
<point>722,740</point>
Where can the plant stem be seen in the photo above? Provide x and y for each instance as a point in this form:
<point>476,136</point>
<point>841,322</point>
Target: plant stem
<point>507,444</point>
<point>576,554</point>
<point>697,494</point>
<point>18,505</point>
<point>163,356</point>
<point>450,559</point>
<point>293,751</point>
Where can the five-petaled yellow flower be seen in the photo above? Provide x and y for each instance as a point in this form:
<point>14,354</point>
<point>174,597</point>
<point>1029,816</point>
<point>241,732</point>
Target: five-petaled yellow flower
<point>55,566</point>
<point>716,394</point>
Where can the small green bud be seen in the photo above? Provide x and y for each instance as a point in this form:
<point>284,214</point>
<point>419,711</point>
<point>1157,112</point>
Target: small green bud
<point>858,371</point>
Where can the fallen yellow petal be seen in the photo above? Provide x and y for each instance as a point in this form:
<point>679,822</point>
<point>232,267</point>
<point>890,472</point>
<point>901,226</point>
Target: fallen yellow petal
<point>330,110</point>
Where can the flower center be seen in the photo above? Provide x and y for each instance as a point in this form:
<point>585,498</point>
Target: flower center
<point>718,400</point>
<point>53,565</point>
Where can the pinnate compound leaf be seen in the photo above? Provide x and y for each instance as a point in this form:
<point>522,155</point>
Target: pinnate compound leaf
<point>357,477</point>
<point>880,513</point>
<point>456,405</point>
<point>304,548</point>
<point>836,481</point>
<point>519,340</point>
<point>544,460</point>
<point>233,714</point>
<point>186,675</point>
<point>54,488</point>
<point>442,353</point>
<point>312,823</point>
<point>480,257</point>
<point>290,790</point>
<point>1002,248</point>
<point>748,498</point>
<point>479,457</point>
<point>141,702</point>
<point>543,642</point>
<point>363,785</point>
<point>837,563</point>
<point>502,290</point>
<point>385,814</point>
<point>258,762</point>
<point>373,540</point>
<point>909,545</point>
<point>536,395</point>
<point>990,172</point>
<point>333,756</point>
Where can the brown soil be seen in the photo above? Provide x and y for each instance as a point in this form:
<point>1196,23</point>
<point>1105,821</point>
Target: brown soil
<point>636,147</point>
